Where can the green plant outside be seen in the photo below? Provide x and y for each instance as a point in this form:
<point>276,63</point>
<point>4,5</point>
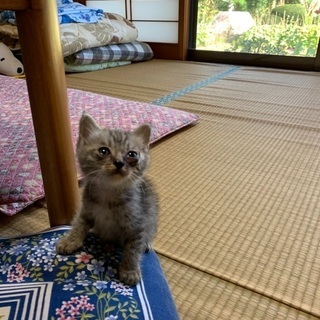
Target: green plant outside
<point>289,12</point>
<point>279,40</point>
<point>289,29</point>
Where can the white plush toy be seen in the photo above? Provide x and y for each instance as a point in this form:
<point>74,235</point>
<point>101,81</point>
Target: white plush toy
<point>9,64</point>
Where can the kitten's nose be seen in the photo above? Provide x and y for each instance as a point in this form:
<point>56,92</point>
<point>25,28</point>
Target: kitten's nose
<point>119,164</point>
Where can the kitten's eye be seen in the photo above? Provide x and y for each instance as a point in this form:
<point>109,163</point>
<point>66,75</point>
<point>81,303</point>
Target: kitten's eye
<point>132,154</point>
<point>104,151</point>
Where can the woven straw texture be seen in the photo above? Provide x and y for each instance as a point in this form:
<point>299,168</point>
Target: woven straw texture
<point>239,228</point>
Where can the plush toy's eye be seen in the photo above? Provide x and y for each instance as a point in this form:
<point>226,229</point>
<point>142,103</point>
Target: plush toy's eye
<point>132,154</point>
<point>104,151</point>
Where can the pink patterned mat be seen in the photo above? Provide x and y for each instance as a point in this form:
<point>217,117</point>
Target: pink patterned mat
<point>20,175</point>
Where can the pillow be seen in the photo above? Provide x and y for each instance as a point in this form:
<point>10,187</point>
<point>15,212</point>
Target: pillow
<point>20,175</point>
<point>36,283</point>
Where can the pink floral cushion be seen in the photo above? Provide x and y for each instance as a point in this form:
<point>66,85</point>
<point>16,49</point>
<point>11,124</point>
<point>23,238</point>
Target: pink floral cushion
<point>20,175</point>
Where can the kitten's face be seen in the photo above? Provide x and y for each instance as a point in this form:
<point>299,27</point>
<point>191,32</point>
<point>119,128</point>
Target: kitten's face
<point>116,155</point>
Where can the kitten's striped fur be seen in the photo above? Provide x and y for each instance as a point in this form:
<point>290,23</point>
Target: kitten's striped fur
<point>119,203</point>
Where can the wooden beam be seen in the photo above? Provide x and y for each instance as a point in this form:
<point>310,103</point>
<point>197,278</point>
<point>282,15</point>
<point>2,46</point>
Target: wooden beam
<point>14,4</point>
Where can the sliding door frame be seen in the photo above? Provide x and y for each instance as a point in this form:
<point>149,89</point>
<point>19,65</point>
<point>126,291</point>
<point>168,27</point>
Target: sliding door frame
<point>261,60</point>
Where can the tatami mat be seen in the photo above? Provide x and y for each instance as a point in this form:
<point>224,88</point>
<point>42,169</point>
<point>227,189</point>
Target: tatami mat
<point>144,81</point>
<point>239,229</point>
<point>30,220</point>
<point>200,296</point>
<point>233,210</point>
<point>242,191</point>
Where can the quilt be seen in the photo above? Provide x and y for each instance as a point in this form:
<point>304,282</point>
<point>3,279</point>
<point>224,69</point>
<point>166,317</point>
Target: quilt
<point>133,51</point>
<point>68,11</point>
<point>111,29</point>
<point>37,284</point>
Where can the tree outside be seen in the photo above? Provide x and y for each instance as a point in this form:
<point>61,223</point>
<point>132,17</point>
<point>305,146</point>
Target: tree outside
<point>277,27</point>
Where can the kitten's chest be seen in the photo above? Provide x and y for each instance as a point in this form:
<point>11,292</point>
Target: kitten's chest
<point>112,211</point>
<point>108,213</point>
<point>110,220</point>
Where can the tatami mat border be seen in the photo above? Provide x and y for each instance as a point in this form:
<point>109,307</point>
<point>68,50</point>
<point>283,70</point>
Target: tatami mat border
<point>176,94</point>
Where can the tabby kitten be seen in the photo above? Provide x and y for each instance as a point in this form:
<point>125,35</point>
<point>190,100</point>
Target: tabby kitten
<point>118,202</point>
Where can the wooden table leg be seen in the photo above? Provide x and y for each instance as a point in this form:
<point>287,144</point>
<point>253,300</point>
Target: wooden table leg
<point>42,58</point>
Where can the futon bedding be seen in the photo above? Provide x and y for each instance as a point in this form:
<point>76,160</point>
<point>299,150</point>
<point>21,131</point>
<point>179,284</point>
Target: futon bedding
<point>133,51</point>
<point>113,28</point>
<point>86,34</point>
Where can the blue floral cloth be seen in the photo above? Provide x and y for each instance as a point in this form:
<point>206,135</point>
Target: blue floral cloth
<point>76,12</point>
<point>68,12</point>
<point>8,16</point>
<point>59,2</point>
<point>37,283</point>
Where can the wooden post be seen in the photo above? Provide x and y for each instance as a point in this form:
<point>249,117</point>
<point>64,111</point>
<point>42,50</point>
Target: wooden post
<point>43,62</point>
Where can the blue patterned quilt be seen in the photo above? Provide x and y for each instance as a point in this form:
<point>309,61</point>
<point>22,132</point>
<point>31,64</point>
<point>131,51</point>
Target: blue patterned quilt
<point>37,283</point>
<point>68,12</point>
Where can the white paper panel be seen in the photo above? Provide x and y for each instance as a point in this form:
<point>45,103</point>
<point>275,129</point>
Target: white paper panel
<point>155,10</point>
<point>157,31</point>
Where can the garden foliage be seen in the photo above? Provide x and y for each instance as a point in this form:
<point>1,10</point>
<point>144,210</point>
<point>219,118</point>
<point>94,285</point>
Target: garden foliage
<point>292,28</point>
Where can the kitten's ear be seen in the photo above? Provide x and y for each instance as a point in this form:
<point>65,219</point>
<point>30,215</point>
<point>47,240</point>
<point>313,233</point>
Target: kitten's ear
<point>143,132</point>
<point>87,125</point>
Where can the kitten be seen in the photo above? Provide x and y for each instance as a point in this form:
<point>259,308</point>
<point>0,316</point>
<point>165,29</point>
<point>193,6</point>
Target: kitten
<point>118,202</point>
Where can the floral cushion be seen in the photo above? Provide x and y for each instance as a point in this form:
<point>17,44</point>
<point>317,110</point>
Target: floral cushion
<point>20,174</point>
<point>37,283</point>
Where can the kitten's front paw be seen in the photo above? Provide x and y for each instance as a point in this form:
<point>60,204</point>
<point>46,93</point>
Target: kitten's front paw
<point>130,277</point>
<point>66,245</point>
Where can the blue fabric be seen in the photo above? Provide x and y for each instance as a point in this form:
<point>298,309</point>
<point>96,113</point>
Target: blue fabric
<point>68,12</point>
<point>76,12</point>
<point>59,2</point>
<point>36,283</point>
<point>8,16</point>
<point>157,290</point>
